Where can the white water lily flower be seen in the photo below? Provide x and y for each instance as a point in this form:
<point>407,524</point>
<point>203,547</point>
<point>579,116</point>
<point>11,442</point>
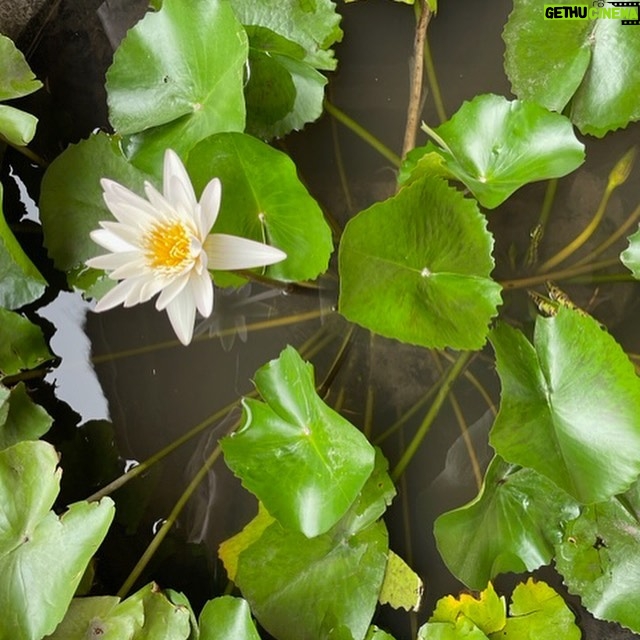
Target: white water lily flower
<point>162,245</point>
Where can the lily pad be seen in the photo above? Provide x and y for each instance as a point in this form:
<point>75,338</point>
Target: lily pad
<point>22,344</point>
<point>401,587</point>
<point>176,78</point>
<point>631,255</point>
<point>263,200</point>
<point>227,617</point>
<point>511,525</point>
<point>16,126</point>
<point>570,406</point>
<point>598,558</point>
<point>42,556</point>
<point>495,146</point>
<point>416,268</point>
<point>592,63</point>
<point>71,203</point>
<point>16,78</point>
<point>20,281</point>
<point>302,460</point>
<point>303,588</point>
<point>20,418</point>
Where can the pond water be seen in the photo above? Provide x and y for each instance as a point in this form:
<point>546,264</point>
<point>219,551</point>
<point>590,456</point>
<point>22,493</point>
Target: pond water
<point>126,367</point>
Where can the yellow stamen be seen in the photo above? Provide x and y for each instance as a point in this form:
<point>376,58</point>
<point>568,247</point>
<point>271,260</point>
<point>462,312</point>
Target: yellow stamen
<point>168,246</point>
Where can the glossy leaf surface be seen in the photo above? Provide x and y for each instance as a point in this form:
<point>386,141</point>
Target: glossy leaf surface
<point>20,281</point>
<point>594,65</point>
<point>631,255</point>
<point>17,126</point>
<point>302,460</point>
<point>495,146</point>
<point>227,617</point>
<point>71,204</point>
<point>177,77</point>
<point>304,589</point>
<point>42,556</point>
<point>537,611</point>
<point>511,525</point>
<point>263,199</point>
<point>570,405</point>
<point>598,558</point>
<point>22,344</point>
<point>16,77</point>
<point>402,587</point>
<point>416,268</point>
<point>20,417</point>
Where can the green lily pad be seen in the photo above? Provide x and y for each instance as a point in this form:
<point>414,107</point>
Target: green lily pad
<point>176,78</point>
<point>263,200</point>
<point>416,268</point>
<point>537,611</point>
<point>283,92</point>
<point>20,281</point>
<point>20,417</point>
<point>511,525</point>
<point>570,406</point>
<point>598,558</point>
<point>146,615</point>
<point>314,26</point>
<point>495,146</point>
<point>71,203</point>
<point>303,588</point>
<point>42,556</point>
<point>461,629</point>
<point>16,126</point>
<point>374,632</point>
<point>630,257</point>
<point>402,586</point>
<point>16,78</point>
<point>302,460</point>
<point>227,617</point>
<point>22,344</point>
<point>592,63</point>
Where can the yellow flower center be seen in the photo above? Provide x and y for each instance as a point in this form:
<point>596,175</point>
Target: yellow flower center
<point>168,246</point>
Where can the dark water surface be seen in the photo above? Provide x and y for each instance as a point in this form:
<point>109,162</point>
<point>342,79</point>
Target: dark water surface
<point>125,366</point>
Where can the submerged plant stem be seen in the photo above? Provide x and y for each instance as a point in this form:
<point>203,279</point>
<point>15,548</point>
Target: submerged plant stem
<point>360,131</point>
<point>168,523</point>
<point>433,82</point>
<point>26,152</point>
<point>417,78</point>
<point>450,377</point>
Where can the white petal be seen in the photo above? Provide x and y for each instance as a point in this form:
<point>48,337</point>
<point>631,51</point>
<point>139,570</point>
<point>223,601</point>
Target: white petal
<point>111,261</point>
<point>202,289</point>
<point>110,241</point>
<point>131,269</point>
<point>126,206</point>
<point>177,184</point>
<point>130,235</point>
<point>159,202</point>
<point>115,296</point>
<point>232,252</point>
<point>182,315</point>
<point>170,291</point>
<point>210,204</point>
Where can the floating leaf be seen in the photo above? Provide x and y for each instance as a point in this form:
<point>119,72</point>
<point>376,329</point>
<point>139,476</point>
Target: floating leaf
<point>71,204</point>
<point>20,282</point>
<point>314,26</point>
<point>146,615</point>
<point>229,551</point>
<point>488,611</point>
<point>283,92</point>
<point>263,199</point>
<point>590,62</point>
<point>303,460</point>
<point>495,146</point>
<point>402,587</point>
<point>42,556</point>
<point>598,558</point>
<point>177,77</point>
<point>631,255</point>
<point>16,126</point>
<point>570,406</point>
<point>511,525</point>
<point>461,629</point>
<point>537,611</point>
<point>416,268</point>
<point>20,418</point>
<point>16,78</point>
<point>225,618</point>
<point>374,632</point>
<point>303,588</point>
<point>22,344</point>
